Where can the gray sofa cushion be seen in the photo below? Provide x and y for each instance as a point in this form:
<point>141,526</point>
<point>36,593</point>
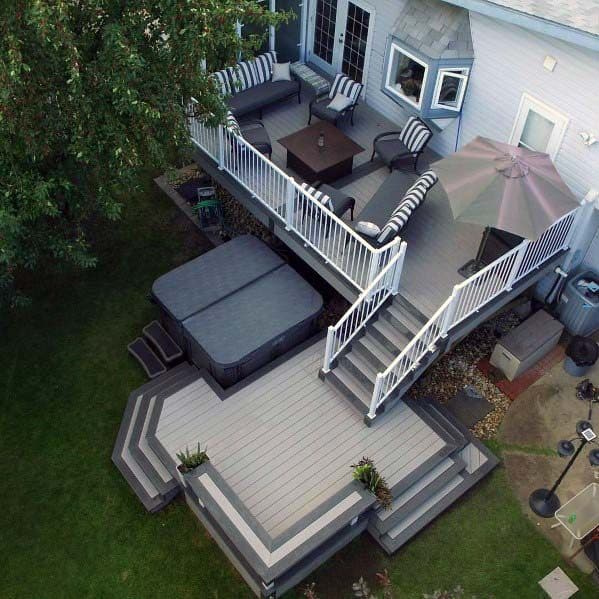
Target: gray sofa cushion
<point>385,200</point>
<point>323,112</point>
<point>257,97</point>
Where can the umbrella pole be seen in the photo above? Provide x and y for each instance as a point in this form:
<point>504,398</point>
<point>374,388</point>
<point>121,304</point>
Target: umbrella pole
<point>473,266</point>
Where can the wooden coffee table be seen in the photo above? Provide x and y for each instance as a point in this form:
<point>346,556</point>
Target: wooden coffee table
<point>326,164</point>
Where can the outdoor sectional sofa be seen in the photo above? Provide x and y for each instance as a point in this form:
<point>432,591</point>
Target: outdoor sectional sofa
<point>249,86</point>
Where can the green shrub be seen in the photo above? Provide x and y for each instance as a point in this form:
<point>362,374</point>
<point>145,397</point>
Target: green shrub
<point>189,461</point>
<point>367,474</point>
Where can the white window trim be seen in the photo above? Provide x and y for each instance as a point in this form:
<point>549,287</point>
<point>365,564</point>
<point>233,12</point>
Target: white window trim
<point>452,72</point>
<point>560,120</point>
<point>390,88</point>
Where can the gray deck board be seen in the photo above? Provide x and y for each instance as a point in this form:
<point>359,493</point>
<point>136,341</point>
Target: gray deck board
<point>437,244</point>
<point>284,443</point>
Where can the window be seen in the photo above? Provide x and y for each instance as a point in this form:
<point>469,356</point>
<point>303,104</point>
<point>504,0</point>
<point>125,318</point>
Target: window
<point>538,127</point>
<point>406,75</point>
<point>450,89</point>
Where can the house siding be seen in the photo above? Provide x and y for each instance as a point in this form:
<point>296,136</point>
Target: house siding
<point>508,62</point>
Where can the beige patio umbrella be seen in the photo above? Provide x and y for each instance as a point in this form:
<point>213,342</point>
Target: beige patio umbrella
<point>498,185</point>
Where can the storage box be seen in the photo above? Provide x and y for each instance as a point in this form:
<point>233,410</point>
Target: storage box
<point>526,344</point>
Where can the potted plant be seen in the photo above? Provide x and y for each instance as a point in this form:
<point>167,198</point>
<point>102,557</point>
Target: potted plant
<point>191,460</point>
<point>366,473</point>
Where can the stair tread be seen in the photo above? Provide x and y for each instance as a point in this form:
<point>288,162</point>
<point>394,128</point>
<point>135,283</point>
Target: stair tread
<point>409,320</point>
<point>439,415</point>
<point>375,347</point>
<point>347,379</point>
<point>393,334</point>
<point>363,365</point>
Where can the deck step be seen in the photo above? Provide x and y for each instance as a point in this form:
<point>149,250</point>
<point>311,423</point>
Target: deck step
<point>351,387</point>
<point>361,368</point>
<point>420,491</point>
<point>145,456</point>
<point>392,338</point>
<point>374,351</point>
<point>402,319</point>
<point>444,419</point>
<point>427,498</point>
<point>138,480</point>
<point>162,342</point>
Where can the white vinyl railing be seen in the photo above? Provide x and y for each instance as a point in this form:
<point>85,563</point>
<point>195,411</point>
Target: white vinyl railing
<point>469,297</point>
<point>299,211</point>
<point>370,300</point>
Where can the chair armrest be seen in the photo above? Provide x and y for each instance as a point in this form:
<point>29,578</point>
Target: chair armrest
<point>385,134</point>
<point>252,123</point>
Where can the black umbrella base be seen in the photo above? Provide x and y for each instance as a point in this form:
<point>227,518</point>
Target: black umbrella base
<point>470,268</point>
<point>543,504</point>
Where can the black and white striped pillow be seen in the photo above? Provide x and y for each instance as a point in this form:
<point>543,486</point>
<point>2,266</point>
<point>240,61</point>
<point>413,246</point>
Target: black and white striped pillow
<point>232,124</point>
<point>411,200</point>
<point>318,195</point>
<point>346,86</point>
<point>415,134</point>
<point>246,73</point>
<point>222,82</point>
<point>263,65</point>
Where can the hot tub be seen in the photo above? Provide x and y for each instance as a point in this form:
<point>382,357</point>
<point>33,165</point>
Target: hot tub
<point>236,308</point>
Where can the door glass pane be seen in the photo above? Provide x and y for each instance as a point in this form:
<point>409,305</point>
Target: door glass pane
<point>537,132</point>
<point>354,45</point>
<point>324,29</point>
<point>287,36</point>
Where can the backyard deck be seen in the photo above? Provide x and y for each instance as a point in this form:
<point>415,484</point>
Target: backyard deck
<point>437,244</point>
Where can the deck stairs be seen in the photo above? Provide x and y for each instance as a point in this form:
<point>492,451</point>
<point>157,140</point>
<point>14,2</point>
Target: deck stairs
<point>445,480</point>
<point>383,339</point>
<point>138,463</point>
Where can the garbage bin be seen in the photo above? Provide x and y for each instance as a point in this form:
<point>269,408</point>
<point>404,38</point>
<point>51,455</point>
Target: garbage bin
<point>579,310</point>
<point>581,354</point>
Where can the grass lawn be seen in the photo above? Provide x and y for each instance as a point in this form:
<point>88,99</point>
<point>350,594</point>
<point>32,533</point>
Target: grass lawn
<point>70,526</point>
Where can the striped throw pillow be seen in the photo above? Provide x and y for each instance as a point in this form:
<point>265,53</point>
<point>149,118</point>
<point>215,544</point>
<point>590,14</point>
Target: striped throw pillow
<point>413,197</point>
<point>263,66</point>
<point>246,73</point>
<point>222,82</point>
<point>232,124</point>
<point>318,195</point>
<point>415,134</point>
<point>346,86</point>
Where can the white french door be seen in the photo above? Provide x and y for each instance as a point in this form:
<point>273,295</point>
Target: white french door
<point>339,36</point>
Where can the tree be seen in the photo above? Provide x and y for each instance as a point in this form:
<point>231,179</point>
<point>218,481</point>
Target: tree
<point>91,93</point>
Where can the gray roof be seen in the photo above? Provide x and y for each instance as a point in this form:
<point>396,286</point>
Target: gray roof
<point>578,14</point>
<point>436,29</point>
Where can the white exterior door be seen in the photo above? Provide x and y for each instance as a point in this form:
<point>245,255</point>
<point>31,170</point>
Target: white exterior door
<point>339,36</point>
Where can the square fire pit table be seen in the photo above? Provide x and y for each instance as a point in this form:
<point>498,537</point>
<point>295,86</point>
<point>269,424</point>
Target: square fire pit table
<point>326,164</point>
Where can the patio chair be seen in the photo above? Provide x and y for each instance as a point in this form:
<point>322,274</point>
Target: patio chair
<point>382,219</point>
<point>344,87</point>
<point>395,146</point>
<point>253,131</point>
<point>337,201</point>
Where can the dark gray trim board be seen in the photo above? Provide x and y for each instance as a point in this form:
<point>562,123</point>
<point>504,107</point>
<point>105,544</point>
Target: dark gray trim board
<point>266,217</point>
<point>532,22</point>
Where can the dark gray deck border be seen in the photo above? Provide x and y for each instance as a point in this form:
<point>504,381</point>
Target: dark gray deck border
<point>152,504</point>
<point>172,487</point>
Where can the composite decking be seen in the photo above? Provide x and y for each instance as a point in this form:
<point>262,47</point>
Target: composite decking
<point>285,442</point>
<point>437,244</point>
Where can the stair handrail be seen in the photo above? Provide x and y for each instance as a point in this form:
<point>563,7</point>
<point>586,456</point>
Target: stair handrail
<point>385,284</point>
<point>470,296</point>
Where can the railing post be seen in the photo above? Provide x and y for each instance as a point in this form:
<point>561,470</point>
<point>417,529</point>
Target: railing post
<point>289,203</point>
<point>378,385</point>
<point>221,147</point>
<point>326,367</point>
<point>583,214</point>
<point>398,268</point>
<point>517,264</point>
<point>447,322</point>
<point>373,269</point>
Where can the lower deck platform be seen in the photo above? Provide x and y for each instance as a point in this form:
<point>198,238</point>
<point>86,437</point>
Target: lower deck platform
<point>278,493</point>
